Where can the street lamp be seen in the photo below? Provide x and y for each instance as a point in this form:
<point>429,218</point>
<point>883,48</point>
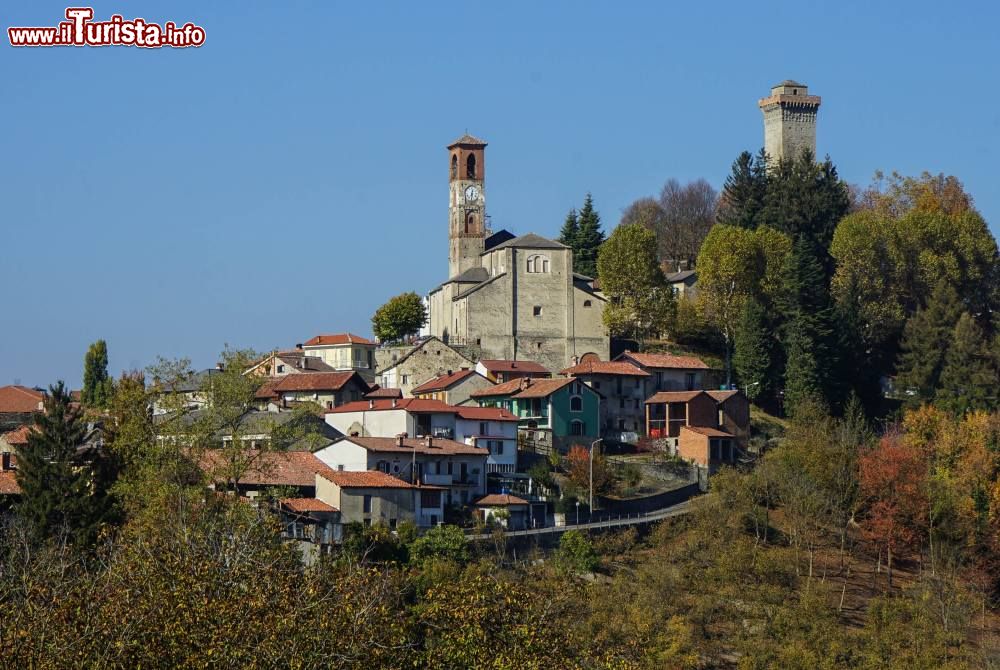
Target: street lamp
<point>592,445</point>
<point>577,512</point>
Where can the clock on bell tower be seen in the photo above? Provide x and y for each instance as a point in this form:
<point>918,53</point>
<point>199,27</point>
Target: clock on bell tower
<point>466,203</point>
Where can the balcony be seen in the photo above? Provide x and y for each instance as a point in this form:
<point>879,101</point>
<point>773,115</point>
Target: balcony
<point>438,480</point>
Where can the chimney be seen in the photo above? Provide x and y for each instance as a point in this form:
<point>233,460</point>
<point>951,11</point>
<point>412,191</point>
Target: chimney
<point>429,441</point>
<point>399,439</point>
<point>394,402</point>
<point>298,346</point>
<point>371,403</point>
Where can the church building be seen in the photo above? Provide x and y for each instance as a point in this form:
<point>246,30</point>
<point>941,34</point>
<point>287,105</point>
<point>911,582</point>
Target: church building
<point>511,298</point>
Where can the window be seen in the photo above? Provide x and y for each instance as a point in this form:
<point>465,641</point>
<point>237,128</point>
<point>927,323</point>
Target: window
<point>621,403</point>
<point>586,303</point>
<point>621,424</point>
<point>281,368</point>
<point>576,404</point>
<point>454,166</point>
<point>538,345</point>
<point>537,310</point>
<point>405,379</point>
<point>689,381</point>
<point>382,466</point>
<point>577,428</point>
<point>484,428</point>
<point>470,223</point>
<point>367,508</point>
<point>430,499</point>
<point>538,264</point>
<point>470,167</point>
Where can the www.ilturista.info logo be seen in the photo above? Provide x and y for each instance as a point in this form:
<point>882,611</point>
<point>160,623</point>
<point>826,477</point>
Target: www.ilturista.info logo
<point>81,31</point>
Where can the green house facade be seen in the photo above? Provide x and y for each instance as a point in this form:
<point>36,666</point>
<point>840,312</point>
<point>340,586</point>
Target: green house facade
<point>552,413</point>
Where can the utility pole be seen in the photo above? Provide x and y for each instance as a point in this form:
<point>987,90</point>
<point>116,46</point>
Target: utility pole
<point>592,445</point>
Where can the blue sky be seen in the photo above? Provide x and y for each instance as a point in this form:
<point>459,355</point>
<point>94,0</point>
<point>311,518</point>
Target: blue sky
<point>290,175</point>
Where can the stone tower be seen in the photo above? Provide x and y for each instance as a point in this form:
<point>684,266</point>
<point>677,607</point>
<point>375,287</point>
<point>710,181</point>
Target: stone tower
<point>466,204</point>
<point>789,120</point>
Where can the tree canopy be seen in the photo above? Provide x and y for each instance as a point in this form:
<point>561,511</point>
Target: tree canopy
<point>399,317</point>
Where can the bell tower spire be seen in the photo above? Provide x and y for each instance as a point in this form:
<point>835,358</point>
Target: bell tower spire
<point>466,203</point>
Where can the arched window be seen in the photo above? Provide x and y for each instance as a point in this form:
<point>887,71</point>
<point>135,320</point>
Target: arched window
<point>586,303</point>
<point>454,166</point>
<point>470,223</point>
<point>577,427</point>
<point>538,263</point>
<point>576,404</point>
<point>470,167</point>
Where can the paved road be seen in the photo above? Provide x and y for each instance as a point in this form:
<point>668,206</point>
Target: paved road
<point>623,520</point>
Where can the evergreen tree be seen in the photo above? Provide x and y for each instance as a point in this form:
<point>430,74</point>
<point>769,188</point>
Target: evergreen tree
<point>811,354</point>
<point>968,380</point>
<point>570,230</point>
<point>752,355</point>
<point>743,194</point>
<point>588,240</point>
<point>62,491</point>
<point>97,385</point>
<point>926,338</point>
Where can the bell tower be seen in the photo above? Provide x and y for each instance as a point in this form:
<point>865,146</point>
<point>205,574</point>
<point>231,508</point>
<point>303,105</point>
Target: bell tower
<point>466,203</point>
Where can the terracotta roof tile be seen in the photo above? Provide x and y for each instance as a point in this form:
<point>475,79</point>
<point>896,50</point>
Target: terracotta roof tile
<point>500,500</point>
<point>306,505</point>
<point>272,468</point>
<point>673,396</point>
<point>384,393</point>
<point>705,430</point>
<point>337,338</point>
<point>485,414</point>
<point>665,361</point>
<point>524,388</point>
<point>8,483</point>
<point>443,382</point>
<point>314,381</point>
<point>364,479</point>
<point>722,396</point>
<point>18,436</point>
<point>439,446</point>
<point>605,368</point>
<point>469,140</point>
<point>20,400</point>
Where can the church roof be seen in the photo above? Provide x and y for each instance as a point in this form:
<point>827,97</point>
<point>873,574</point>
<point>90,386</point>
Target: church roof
<point>498,237</point>
<point>468,139</point>
<point>470,276</point>
<point>478,286</point>
<point>531,241</point>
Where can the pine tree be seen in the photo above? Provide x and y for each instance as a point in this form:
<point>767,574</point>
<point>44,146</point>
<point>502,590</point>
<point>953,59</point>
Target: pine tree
<point>752,357</point>
<point>810,333</point>
<point>743,194</point>
<point>97,385</point>
<point>570,230</point>
<point>968,380</point>
<point>588,240</point>
<point>926,338</point>
<point>62,492</point>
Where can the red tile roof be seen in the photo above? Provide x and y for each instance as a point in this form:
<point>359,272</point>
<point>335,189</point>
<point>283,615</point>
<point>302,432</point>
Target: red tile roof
<point>364,479</point>
<point>705,430</point>
<point>513,366</point>
<point>524,388</point>
<point>443,382</point>
<point>673,396</point>
<point>266,390</point>
<point>439,446</point>
<point>337,338</point>
<point>418,405</point>
<point>500,500</point>
<point>271,468</point>
<point>605,368</point>
<point>18,436</point>
<point>722,396</point>
<point>20,400</point>
<point>8,483</point>
<point>666,361</point>
<point>387,392</point>
<point>485,414</point>
<point>314,381</point>
<point>306,505</point>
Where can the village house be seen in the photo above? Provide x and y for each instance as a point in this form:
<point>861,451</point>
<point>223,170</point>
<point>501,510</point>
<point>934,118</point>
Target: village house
<point>426,360</point>
<point>734,414</point>
<point>190,392</point>
<point>669,372</point>
<point>457,467</point>
<point>17,404</point>
<point>499,371</point>
<point>683,283</point>
<point>702,427</point>
<point>373,497</point>
<point>379,393</point>
<point>343,352</point>
<point>326,389</point>
<point>706,447</point>
<point>553,413</point>
<point>453,387</point>
<point>282,363</point>
<point>11,440</point>
<point>624,390</point>
<point>505,510</point>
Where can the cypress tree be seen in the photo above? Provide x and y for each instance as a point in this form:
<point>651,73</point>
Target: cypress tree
<point>97,384</point>
<point>926,338</point>
<point>62,491</point>
<point>589,239</point>
<point>570,230</point>
<point>742,199</point>
<point>967,380</point>
<point>752,350</point>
